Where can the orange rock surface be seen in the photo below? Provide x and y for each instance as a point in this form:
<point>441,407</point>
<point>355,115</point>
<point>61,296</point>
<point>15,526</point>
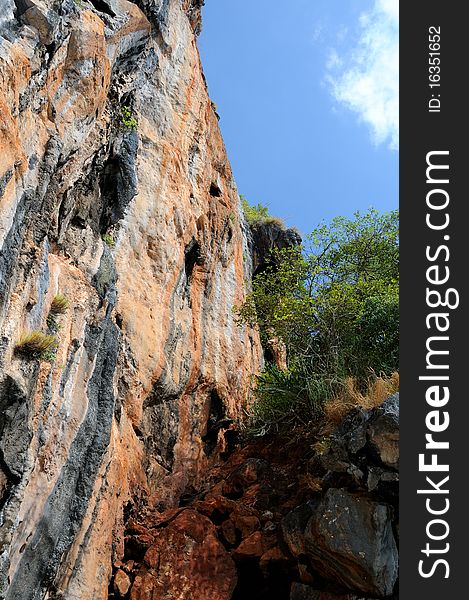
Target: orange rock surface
<point>136,220</point>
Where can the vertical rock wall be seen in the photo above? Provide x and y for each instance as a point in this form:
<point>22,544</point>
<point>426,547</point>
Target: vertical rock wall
<point>107,131</point>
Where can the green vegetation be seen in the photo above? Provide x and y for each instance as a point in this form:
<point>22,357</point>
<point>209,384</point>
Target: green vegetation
<point>108,239</point>
<point>127,119</point>
<point>259,214</point>
<point>334,305</point>
<point>37,345</point>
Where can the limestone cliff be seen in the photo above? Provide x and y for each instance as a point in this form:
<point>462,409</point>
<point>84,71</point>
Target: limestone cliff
<point>115,191</point>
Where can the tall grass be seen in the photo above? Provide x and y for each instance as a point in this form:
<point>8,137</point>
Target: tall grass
<point>352,395</point>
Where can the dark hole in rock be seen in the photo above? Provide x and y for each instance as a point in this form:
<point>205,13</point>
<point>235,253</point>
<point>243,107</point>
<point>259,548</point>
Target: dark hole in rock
<point>50,50</point>
<point>119,320</point>
<point>128,510</point>
<point>189,495</point>
<point>231,439</point>
<point>134,549</point>
<point>215,191</point>
<point>252,584</point>
<point>138,432</point>
<point>191,258</point>
<point>78,221</point>
<point>235,494</point>
<point>217,517</point>
<point>103,7</point>
<point>269,355</point>
<point>21,7</point>
<point>216,420</point>
<point>109,185</point>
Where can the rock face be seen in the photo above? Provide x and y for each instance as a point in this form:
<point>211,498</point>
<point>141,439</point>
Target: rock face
<point>117,472</point>
<point>115,190</point>
<point>365,449</point>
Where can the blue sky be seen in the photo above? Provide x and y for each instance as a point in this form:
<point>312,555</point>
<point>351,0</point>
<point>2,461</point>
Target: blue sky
<point>308,102</point>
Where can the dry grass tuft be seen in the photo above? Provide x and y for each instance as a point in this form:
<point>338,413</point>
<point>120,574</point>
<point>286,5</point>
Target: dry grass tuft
<point>310,482</point>
<point>59,305</point>
<point>35,344</point>
<point>378,389</point>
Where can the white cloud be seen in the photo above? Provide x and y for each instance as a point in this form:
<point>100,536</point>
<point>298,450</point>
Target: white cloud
<point>366,78</point>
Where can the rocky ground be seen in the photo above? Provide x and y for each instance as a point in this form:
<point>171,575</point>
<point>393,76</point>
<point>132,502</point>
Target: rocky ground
<point>309,518</point>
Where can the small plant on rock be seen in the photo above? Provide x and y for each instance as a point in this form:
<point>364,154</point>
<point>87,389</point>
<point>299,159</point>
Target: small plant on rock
<point>108,239</point>
<point>258,214</point>
<point>36,345</point>
<point>58,307</point>
<point>127,118</point>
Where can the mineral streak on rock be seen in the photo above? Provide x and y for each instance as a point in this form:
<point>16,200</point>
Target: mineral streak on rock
<point>116,191</point>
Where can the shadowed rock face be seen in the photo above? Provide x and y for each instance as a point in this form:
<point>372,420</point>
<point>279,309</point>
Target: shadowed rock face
<point>150,369</point>
<point>269,236</point>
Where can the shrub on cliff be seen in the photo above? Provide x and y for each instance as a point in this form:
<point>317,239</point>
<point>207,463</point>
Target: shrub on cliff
<point>59,306</point>
<point>259,214</point>
<point>334,304</point>
<point>128,121</point>
<point>36,345</point>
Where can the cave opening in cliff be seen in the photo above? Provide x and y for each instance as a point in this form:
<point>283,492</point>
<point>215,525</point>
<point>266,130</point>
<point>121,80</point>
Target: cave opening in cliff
<point>191,258</point>
<point>215,191</point>
<point>216,419</point>
<point>109,193</point>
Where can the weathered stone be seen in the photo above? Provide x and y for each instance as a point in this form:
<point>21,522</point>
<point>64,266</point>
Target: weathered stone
<point>383,432</point>
<point>349,539</point>
<point>229,532</point>
<point>377,475</point>
<point>293,527</point>
<point>41,19</point>
<point>192,565</point>
<point>245,525</point>
<point>266,483</point>
<point>267,237</point>
<point>122,583</point>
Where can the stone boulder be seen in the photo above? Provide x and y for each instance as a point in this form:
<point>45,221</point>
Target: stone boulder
<point>383,432</point>
<point>269,236</point>
<point>186,562</point>
<point>347,539</point>
<point>364,450</point>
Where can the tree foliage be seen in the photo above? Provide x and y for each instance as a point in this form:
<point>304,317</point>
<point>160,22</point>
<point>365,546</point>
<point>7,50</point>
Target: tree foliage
<point>334,301</point>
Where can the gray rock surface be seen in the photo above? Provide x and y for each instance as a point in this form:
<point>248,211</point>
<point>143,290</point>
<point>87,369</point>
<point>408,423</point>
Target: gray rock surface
<point>348,539</point>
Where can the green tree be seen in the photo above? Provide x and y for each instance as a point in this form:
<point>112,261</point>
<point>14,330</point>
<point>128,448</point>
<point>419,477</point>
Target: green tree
<point>333,302</point>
